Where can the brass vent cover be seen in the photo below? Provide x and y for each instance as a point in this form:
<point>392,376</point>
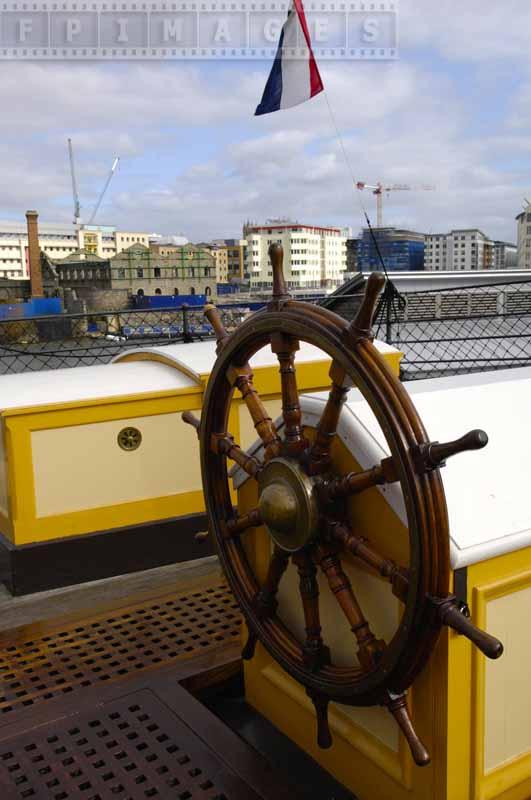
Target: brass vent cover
<point>129,439</point>
<point>113,646</point>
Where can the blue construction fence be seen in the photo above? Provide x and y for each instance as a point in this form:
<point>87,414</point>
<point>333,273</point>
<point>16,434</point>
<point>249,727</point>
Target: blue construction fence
<point>169,300</point>
<point>37,307</point>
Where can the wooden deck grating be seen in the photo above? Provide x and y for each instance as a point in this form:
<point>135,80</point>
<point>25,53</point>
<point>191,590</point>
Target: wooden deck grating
<point>42,662</point>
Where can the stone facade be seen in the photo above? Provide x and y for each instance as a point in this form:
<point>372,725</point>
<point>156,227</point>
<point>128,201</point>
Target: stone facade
<point>108,284</point>
<point>186,269</point>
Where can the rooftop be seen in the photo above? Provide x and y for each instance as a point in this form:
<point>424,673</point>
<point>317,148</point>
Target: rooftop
<point>290,226</point>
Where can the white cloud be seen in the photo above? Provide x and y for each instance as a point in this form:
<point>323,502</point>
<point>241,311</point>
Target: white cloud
<point>474,30</point>
<point>196,161</point>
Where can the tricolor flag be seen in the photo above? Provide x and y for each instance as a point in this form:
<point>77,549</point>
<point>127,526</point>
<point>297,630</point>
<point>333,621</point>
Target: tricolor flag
<point>293,79</point>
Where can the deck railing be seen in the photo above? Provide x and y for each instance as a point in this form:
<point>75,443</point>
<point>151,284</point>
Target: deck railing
<point>71,340</point>
<point>440,331</point>
<point>461,330</point>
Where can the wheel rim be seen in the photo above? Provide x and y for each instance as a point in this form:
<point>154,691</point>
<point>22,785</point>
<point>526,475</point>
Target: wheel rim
<point>423,496</point>
<point>302,505</point>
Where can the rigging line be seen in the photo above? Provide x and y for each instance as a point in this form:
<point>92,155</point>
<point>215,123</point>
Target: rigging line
<point>339,137</point>
<point>344,151</point>
<point>388,297</point>
<point>357,191</point>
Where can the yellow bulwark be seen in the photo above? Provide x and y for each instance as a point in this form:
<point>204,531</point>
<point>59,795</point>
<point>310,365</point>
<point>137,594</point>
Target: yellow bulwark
<point>62,470</point>
<point>474,715</point>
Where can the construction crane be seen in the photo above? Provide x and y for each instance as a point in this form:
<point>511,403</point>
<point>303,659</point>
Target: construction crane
<point>382,188</point>
<point>77,207</point>
<point>103,191</point>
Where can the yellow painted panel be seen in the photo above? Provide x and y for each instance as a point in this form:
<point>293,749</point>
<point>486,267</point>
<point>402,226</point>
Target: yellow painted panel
<point>378,604</point>
<point>4,493</point>
<point>99,402</point>
<point>121,515</point>
<point>82,467</point>
<point>507,695</point>
<point>506,577</point>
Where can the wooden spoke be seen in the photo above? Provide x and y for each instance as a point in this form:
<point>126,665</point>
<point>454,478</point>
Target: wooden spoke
<point>224,444</point>
<point>314,651</point>
<point>214,317</point>
<point>276,256</point>
<point>433,455</point>
<point>386,567</point>
<point>369,648</point>
<point>457,618</point>
<point>250,645</point>
<point>397,705</point>
<point>320,702</point>
<point>356,482</point>
<point>236,526</point>
<point>360,327</point>
<point>242,378</point>
<point>326,430</point>
<point>266,599</point>
<point>191,419</point>
<point>285,348</point>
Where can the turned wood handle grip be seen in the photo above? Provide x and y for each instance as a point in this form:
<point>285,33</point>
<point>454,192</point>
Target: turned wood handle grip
<point>437,453</point>
<point>213,316</point>
<point>191,419</point>
<point>397,705</point>
<point>361,325</point>
<point>455,619</point>
<point>276,256</point>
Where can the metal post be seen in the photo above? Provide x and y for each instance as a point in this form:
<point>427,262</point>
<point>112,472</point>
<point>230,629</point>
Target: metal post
<point>388,319</point>
<point>187,337</point>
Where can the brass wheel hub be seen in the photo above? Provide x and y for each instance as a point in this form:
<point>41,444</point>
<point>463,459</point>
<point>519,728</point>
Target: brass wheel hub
<point>287,504</point>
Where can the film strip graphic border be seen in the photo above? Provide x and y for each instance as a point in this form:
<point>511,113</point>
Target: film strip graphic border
<point>230,31</point>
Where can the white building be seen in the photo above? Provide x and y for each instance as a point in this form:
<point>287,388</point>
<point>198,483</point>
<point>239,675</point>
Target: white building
<point>524,238</point>
<point>58,241</point>
<point>467,249</point>
<point>505,255</point>
<point>314,257</point>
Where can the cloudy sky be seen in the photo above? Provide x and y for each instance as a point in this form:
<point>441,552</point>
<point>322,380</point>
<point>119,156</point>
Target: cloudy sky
<point>454,111</point>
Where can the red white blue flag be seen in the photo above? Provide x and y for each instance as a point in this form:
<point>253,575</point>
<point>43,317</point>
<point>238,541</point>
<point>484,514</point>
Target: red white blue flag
<point>293,79</point>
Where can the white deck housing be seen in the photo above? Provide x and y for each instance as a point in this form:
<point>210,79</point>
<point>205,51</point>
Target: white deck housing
<point>487,492</point>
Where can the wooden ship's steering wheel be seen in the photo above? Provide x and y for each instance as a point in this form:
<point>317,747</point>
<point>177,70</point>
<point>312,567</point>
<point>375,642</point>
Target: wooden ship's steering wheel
<point>302,505</point>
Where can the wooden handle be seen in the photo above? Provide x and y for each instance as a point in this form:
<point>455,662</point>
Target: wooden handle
<point>397,705</point>
<point>213,316</point>
<point>360,328</point>
<point>320,702</point>
<point>435,454</point>
<point>451,615</point>
<point>276,256</point>
<point>191,419</point>
<point>250,645</point>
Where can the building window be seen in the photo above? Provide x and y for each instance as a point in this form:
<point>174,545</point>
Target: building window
<point>158,291</point>
<point>139,272</point>
<point>208,291</point>
<point>176,292</point>
<point>140,293</point>
<point>157,272</point>
<point>192,290</point>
